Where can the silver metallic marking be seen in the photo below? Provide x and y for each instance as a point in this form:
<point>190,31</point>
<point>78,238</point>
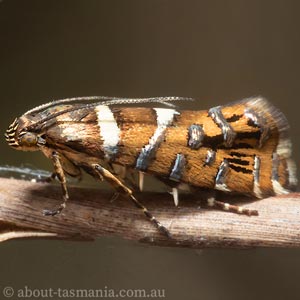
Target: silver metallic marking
<point>256,175</point>
<point>284,149</point>
<point>195,136</point>
<point>210,157</point>
<point>178,167</point>
<point>109,130</point>
<point>275,165</point>
<point>164,119</point>
<point>277,187</point>
<point>221,177</point>
<point>228,133</point>
<point>259,122</point>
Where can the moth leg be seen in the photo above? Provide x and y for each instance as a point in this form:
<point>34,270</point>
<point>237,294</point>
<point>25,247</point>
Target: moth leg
<point>211,202</point>
<point>62,178</point>
<point>123,189</point>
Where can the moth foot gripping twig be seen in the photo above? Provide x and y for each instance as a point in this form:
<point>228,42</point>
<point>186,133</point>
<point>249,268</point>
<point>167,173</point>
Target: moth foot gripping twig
<point>59,172</point>
<point>124,190</point>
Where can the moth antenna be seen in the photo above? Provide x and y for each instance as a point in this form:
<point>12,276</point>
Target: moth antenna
<point>66,101</point>
<point>107,101</point>
<point>163,100</point>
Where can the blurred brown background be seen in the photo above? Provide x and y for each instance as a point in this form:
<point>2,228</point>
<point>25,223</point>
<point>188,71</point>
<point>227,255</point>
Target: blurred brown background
<point>215,51</point>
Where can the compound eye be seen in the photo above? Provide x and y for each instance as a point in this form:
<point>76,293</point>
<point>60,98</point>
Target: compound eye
<point>28,139</point>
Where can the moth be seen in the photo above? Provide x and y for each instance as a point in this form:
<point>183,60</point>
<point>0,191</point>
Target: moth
<point>242,147</point>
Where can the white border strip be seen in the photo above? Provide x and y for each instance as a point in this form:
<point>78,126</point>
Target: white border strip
<point>109,130</point>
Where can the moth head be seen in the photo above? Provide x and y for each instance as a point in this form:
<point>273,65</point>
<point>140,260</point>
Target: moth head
<point>20,138</point>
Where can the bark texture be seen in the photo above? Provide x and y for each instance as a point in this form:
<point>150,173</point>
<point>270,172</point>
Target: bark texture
<point>90,214</point>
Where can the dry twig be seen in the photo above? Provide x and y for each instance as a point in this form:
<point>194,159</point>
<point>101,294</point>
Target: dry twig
<point>90,214</point>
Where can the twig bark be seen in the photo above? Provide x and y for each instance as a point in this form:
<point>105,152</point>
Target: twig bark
<point>90,214</point>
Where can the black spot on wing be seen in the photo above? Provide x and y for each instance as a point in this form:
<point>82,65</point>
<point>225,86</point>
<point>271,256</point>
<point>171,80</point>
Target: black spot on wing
<point>234,118</point>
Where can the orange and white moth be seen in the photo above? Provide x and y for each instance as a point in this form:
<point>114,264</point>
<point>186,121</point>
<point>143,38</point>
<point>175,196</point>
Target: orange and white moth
<point>242,147</point>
